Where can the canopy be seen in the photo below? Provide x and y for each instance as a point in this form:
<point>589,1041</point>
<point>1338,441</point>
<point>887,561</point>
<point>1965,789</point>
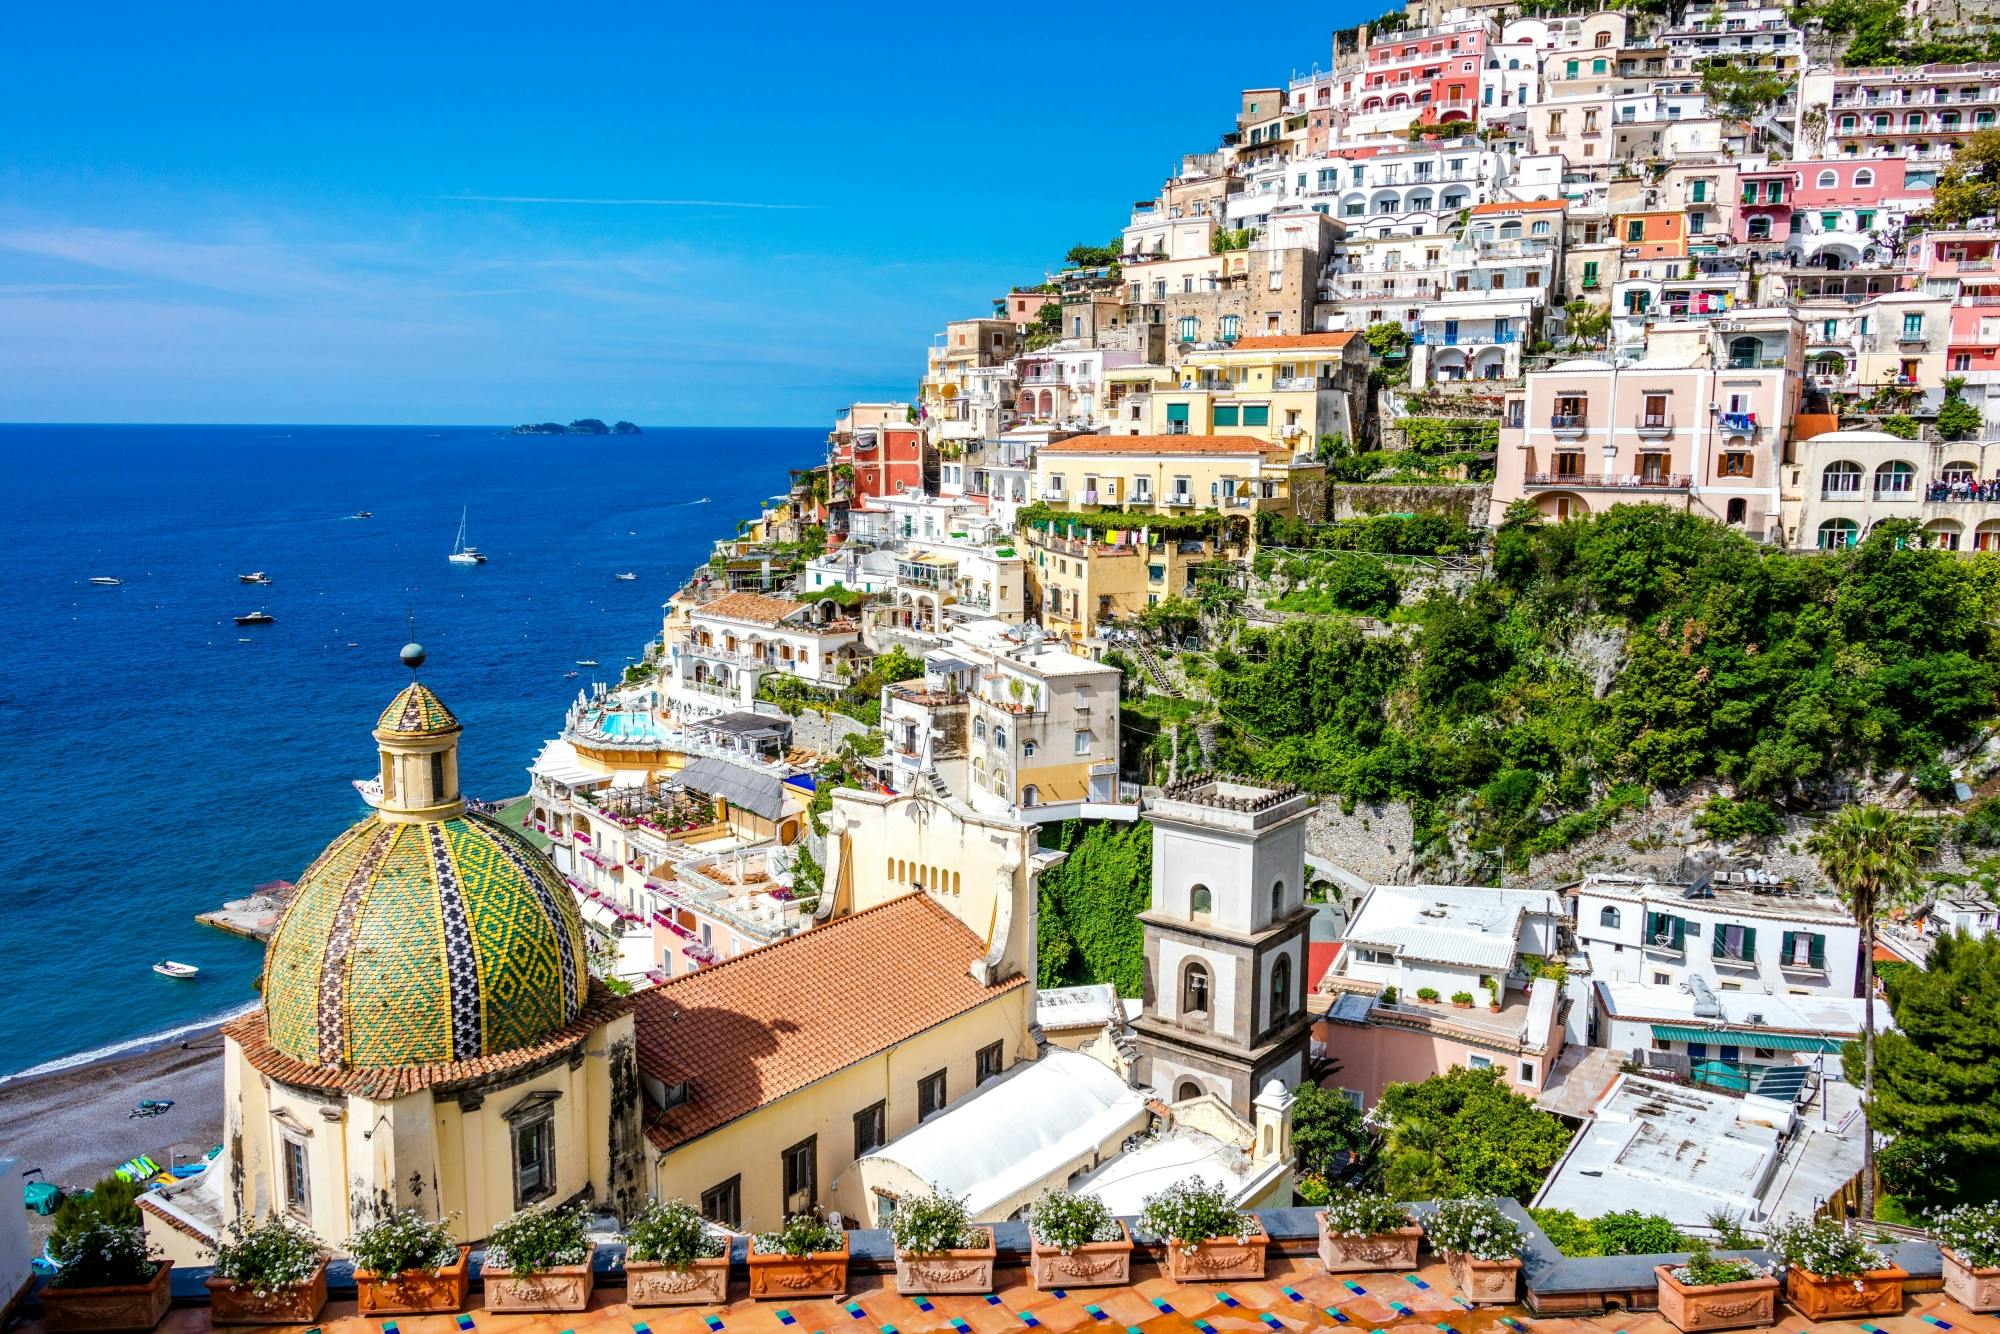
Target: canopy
<point>1737,1037</point>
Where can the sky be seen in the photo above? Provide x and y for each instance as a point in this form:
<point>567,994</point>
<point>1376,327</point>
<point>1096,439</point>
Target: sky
<point>680,214</point>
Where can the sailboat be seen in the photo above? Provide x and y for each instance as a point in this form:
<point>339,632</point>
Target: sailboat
<point>462,554</point>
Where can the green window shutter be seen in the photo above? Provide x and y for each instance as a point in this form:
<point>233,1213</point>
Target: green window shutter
<point>1597,67</point>
<point>1177,412</point>
<point>1700,191</point>
<point>1785,946</point>
<point>1257,415</point>
<point>1749,942</point>
<point>1816,951</point>
<point>1226,416</point>
<point>1572,69</point>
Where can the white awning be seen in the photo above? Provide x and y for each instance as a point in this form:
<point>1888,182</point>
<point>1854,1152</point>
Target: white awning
<point>1474,310</point>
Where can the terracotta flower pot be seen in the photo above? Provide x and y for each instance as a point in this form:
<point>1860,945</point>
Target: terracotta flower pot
<point>819,1274</point>
<point>702,1283</point>
<point>1878,1292</point>
<point>414,1293</point>
<point>1977,1290</point>
<point>1484,1282</point>
<point>1750,1303</point>
<point>233,1303</point>
<point>563,1288</point>
<point>1218,1258</point>
<point>966,1270</point>
<point>1381,1250</point>
<point>1095,1264</point>
<point>131,1306</point>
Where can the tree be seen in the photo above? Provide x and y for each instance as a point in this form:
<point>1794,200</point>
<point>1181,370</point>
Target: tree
<point>1970,187</point>
<point>1386,338</point>
<point>1587,322</point>
<point>1956,418</point>
<point>1326,1129</point>
<point>1466,1133</point>
<point>1874,857</point>
<point>1094,256</point>
<point>1740,90</point>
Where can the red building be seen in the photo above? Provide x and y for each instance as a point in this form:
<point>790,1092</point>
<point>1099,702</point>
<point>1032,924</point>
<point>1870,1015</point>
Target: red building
<point>882,447</point>
<point>1432,71</point>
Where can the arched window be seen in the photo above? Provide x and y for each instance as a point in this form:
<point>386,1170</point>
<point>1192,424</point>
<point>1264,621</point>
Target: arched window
<point>1493,62</point>
<point>1864,177</point>
<point>1760,228</point>
<point>1608,916</point>
<point>1186,1089</point>
<point>1513,64</point>
<point>1840,480</point>
<point>1030,796</point>
<point>1828,179</point>
<point>1277,898</point>
<point>1604,39</point>
<point>1895,480</point>
<point>1838,534</point>
<point>1987,536</point>
<point>1200,901</point>
<point>1745,352</point>
<point>1943,534</point>
<point>1540,229</point>
<point>979,729</point>
<point>1281,987</point>
<point>999,737</point>
<point>1194,989</point>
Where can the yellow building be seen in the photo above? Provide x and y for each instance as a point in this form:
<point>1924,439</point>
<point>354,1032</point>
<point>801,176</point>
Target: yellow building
<point>1287,391</point>
<point>429,1038</point>
<point>1177,473</point>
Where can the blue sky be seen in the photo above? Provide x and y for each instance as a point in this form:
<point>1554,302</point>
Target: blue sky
<point>219,212</point>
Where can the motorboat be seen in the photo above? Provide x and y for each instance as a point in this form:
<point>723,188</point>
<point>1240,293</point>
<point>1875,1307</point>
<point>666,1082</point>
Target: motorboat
<point>256,618</point>
<point>106,581</point>
<point>461,554</point>
<point>259,577</point>
<point>370,790</point>
<point>168,968</point>
<point>586,662</point>
<point>627,577</point>
<point>362,514</point>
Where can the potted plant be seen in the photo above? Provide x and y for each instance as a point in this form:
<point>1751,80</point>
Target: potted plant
<point>1074,1242</point>
<point>1207,1237</point>
<point>1706,1293</point>
<point>1360,1230</point>
<point>540,1260</point>
<point>407,1264</point>
<point>804,1258</point>
<point>1482,1247</point>
<point>1831,1274</point>
<point>269,1273</point>
<point>1461,1000</point>
<point>1493,994</point>
<point>937,1248</point>
<point>673,1258</point>
<point>1428,995</point>
<point>1969,1244</point>
<point>108,1281</point>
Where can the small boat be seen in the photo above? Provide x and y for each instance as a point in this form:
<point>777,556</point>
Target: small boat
<point>256,618</point>
<point>361,514</point>
<point>567,675</point>
<point>462,554</point>
<point>106,581</point>
<point>257,578</point>
<point>586,662</point>
<point>627,577</point>
<point>149,1107</point>
<point>168,968</point>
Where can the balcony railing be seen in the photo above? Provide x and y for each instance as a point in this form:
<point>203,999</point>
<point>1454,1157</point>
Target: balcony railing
<point>1611,481</point>
<point>1653,423</point>
<point>1304,382</point>
<point>1569,421</point>
<point>1441,338</point>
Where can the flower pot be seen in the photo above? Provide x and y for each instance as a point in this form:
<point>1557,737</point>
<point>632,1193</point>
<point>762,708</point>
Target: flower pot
<point>563,1288</point>
<point>1977,1290</point>
<point>1218,1258</point>
<point>415,1293</point>
<point>1878,1292</point>
<point>1484,1282</point>
<point>1095,1264</point>
<point>132,1306</point>
<point>819,1274</point>
<point>702,1283</point>
<point>1380,1250</point>
<point>1461,1005</point>
<point>1753,1302</point>
<point>233,1303</point>
<point>967,1270</point>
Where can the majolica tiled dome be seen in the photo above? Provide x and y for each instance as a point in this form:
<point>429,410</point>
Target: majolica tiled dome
<point>417,712</point>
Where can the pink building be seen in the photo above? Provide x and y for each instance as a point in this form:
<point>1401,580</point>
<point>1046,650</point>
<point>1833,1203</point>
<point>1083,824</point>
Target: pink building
<point>1435,72</point>
<point>1966,259</point>
<point>1765,213</point>
<point>1406,1041</point>
<point>716,909</point>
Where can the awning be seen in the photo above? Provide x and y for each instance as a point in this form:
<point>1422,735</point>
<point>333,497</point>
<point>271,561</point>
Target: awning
<point>1736,1037</point>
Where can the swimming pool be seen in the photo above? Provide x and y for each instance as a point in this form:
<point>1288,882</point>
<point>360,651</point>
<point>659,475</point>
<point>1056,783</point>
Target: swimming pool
<point>633,726</point>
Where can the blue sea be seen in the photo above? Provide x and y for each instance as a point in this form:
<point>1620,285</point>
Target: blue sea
<point>157,759</point>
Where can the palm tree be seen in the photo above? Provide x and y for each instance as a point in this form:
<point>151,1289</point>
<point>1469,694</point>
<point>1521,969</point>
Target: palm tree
<point>1874,857</point>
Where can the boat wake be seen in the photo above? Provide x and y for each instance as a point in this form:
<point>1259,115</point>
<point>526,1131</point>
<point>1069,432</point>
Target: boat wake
<point>144,1042</point>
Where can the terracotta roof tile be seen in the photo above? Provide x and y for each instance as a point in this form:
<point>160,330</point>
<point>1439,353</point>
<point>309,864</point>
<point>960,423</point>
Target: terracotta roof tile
<point>1162,444</point>
<point>1279,342</point>
<point>755,1028</point>
<point>751,607</point>
<point>1520,206</point>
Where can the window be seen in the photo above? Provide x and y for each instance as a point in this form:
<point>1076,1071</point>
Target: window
<point>1828,179</point>
<point>1527,1072</point>
<point>991,1061</point>
<point>930,1095</point>
<point>1231,324</point>
<point>534,1158</point>
<point>1635,230</point>
<point>1734,944</point>
<point>1281,988</point>
<point>1608,916</point>
<point>1257,414</point>
<point>1027,750</point>
<point>1700,191</point>
<point>1190,328</point>
<point>1225,414</point>
<point>723,1204</point>
<point>979,729</point>
<point>1802,950</point>
<point>437,775</point>
<point>802,1176</point>
<point>1662,979</point>
<point>1478,1062</point>
<point>1278,898</point>
<point>1200,901</point>
<point>298,1180</point>
<point>1142,488</point>
<point>1082,743</point>
<point>1194,990</point>
<point>1735,463</point>
<point>871,1125</point>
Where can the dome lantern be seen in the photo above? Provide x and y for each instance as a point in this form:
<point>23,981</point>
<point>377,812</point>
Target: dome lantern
<point>418,740</point>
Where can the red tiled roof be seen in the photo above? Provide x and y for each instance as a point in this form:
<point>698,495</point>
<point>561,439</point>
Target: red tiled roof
<point>1160,444</point>
<point>753,607</point>
<point>1275,342</point>
<point>1523,206</point>
<point>752,1029</point>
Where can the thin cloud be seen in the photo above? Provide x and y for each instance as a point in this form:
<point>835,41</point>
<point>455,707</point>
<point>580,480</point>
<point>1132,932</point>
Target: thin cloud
<point>620,203</point>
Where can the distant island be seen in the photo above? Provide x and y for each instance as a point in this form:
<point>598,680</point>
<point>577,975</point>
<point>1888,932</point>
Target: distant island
<point>581,426</point>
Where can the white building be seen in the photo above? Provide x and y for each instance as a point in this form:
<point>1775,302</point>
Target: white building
<point>1763,939</point>
<point>1448,938</point>
<point>715,661</point>
<point>1727,1039</point>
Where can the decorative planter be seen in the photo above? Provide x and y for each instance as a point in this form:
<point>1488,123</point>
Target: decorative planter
<point>968,1270</point>
<point>1753,1302</point>
<point>1484,1282</point>
<point>820,1274</point>
<point>1977,1290</point>
<point>134,1306</point>
<point>702,1283</point>
<point>415,1293</point>
<point>1382,1250</point>
<point>232,1303</point>
<point>1095,1264</point>
<point>1878,1292</point>
<point>1218,1258</point>
<point>1461,1005</point>
<point>563,1288</point>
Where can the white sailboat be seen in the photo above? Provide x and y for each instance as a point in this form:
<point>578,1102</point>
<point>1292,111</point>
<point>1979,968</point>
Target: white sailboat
<point>461,554</point>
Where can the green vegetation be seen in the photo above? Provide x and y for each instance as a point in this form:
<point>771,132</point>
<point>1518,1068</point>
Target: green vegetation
<point>112,1202</point>
<point>860,699</point>
<point>1728,820</point>
<point>1902,425</point>
<point>1625,1232</point>
<point>1387,339</point>
<point>1337,581</point>
<point>1088,929</point>
<point>1095,256</point>
<point>1326,1130</point>
<point>1227,239</point>
<point>1040,515</point>
<point>1937,1077</point>
<point>1741,90</point>
<point>1970,187</point>
<point>1386,534</point>
<point>1465,1133</point>
<point>1956,418</point>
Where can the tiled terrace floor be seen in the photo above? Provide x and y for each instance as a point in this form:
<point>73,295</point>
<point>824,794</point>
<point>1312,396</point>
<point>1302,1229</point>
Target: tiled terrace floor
<point>1296,1298</point>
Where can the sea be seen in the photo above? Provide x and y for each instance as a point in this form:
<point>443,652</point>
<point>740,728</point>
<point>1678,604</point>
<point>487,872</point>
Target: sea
<point>157,759</point>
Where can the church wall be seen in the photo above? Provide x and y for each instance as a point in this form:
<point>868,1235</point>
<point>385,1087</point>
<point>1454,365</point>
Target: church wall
<point>475,1146</point>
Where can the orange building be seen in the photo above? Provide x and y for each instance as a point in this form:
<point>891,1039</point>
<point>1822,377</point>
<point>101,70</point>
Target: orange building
<point>1653,235</point>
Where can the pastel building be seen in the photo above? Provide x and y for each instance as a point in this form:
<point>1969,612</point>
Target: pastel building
<point>1918,113</point>
<point>1841,484</point>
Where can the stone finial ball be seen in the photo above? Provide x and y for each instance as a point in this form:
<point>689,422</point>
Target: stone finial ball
<point>413,655</point>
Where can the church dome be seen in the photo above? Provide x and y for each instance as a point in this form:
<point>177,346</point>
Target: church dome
<point>425,934</point>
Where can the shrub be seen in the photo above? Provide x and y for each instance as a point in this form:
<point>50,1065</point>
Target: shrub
<point>1360,1213</point>
<point>1190,1212</point>
<point>1822,1247</point>
<point>1427,993</point>
<point>802,1234</point>
<point>931,1225</point>
<point>1703,1270</point>
<point>672,1234</point>
<point>404,1243</point>
<point>113,1200</point>
<point>103,1255</point>
<point>1311,1189</point>
<point>1461,998</point>
<point>1067,1221</point>
<point>1388,995</point>
<point>269,1256</point>
<point>1972,1231</point>
<point>1475,1228</point>
<point>1727,820</point>
<point>1629,1232</point>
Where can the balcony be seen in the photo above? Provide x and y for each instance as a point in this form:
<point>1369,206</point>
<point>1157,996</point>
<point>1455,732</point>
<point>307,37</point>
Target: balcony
<point>1609,481</point>
<point>1666,946</point>
<point>1447,338</point>
<point>1653,424</point>
<point>1737,423</point>
<point>1054,493</point>
<point>1569,423</point>
<point>1304,382</point>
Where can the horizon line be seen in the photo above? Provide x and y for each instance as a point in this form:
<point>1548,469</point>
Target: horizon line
<point>622,203</point>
